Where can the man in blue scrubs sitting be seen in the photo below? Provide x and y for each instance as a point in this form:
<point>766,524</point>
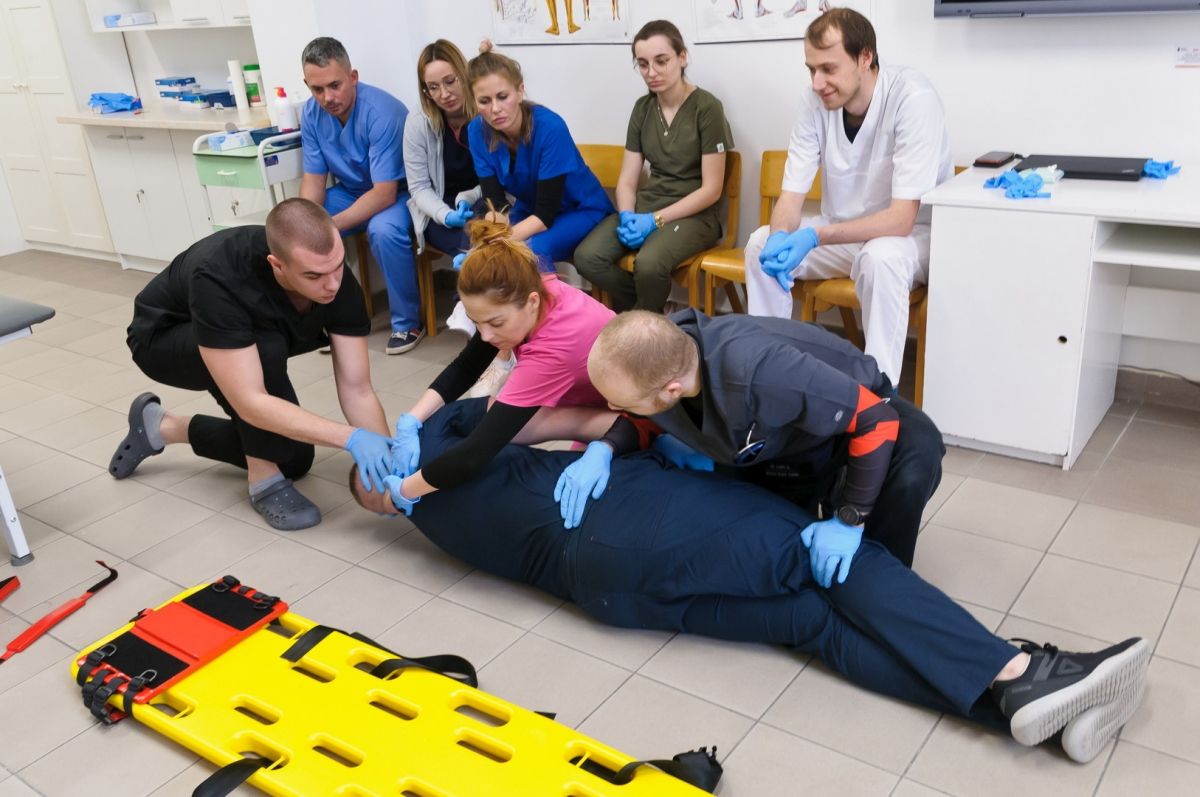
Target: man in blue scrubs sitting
<point>356,133</point>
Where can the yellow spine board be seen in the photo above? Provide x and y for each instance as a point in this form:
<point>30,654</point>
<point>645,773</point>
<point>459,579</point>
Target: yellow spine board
<point>331,728</point>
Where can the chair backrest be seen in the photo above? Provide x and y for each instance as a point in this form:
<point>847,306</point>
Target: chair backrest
<point>770,183</point>
<point>733,190</point>
<point>605,162</point>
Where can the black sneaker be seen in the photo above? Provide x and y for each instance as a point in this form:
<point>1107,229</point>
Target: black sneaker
<point>400,342</point>
<point>1058,686</point>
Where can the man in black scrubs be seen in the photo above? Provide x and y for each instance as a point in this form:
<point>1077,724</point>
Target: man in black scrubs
<point>225,316</point>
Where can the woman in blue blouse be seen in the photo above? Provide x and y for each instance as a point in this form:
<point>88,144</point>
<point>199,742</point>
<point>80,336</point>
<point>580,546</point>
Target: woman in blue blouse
<point>527,151</point>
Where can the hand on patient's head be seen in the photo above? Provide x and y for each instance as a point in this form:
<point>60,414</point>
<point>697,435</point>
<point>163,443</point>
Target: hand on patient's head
<point>377,501</point>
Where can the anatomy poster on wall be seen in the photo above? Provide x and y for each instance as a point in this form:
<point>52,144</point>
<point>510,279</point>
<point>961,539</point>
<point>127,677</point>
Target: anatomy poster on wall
<point>753,20</point>
<point>561,21</point>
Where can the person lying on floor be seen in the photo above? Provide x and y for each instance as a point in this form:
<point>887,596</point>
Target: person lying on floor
<point>697,552</point>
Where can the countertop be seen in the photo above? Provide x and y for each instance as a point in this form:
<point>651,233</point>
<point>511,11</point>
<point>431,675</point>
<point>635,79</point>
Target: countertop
<point>167,118</point>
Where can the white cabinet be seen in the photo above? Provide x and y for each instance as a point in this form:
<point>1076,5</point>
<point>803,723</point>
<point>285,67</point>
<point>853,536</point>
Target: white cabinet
<point>46,164</point>
<point>143,196</point>
<point>171,14</point>
<point>1005,340</point>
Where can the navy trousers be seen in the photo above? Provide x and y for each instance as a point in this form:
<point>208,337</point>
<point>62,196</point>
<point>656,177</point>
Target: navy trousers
<point>698,552</point>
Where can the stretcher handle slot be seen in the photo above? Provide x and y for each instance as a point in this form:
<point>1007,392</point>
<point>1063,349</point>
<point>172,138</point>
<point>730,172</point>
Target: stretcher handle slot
<point>389,704</point>
<point>257,710</point>
<point>412,788</point>
<point>488,748</point>
<point>171,706</point>
<point>315,671</point>
<point>470,705</point>
<point>339,751</point>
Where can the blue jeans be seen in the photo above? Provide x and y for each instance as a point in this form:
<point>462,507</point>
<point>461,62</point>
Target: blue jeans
<point>389,234</point>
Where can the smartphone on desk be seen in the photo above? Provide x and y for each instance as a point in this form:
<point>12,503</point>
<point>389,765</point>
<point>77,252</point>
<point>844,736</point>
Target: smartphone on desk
<point>994,159</point>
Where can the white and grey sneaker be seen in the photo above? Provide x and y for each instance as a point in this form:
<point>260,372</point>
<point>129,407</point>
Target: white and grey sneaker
<point>1059,687</point>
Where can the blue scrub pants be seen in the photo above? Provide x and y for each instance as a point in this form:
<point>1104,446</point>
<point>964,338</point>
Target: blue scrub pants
<point>559,242</point>
<point>389,234</point>
<point>698,552</point>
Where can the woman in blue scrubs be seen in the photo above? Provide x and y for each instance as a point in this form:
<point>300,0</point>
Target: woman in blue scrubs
<point>527,151</point>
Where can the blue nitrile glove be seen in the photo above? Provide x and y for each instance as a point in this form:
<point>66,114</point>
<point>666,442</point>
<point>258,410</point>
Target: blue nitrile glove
<point>1160,170</point>
<point>372,453</point>
<point>783,251</point>
<point>680,454</point>
<point>636,229</point>
<point>587,475</point>
<point>392,484</point>
<point>406,446</point>
<point>831,546</point>
<point>458,217</point>
<point>458,261</point>
<point>1018,186</point>
<point>623,219</point>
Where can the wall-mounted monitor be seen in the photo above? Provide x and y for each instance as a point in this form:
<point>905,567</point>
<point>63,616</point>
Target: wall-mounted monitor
<point>1022,8</point>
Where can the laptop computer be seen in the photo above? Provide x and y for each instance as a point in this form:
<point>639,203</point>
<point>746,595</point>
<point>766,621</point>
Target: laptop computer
<point>1089,168</point>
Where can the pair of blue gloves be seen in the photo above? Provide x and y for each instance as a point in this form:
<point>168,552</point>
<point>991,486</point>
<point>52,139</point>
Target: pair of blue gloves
<point>634,228</point>
<point>783,251</point>
<point>1018,186</point>
<point>383,462</point>
<point>1159,170</point>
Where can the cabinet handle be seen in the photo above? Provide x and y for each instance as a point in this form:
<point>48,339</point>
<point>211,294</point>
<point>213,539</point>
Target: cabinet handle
<point>194,20</point>
<point>140,193</point>
<point>135,138</point>
<point>242,17</point>
<point>115,136</point>
<point>226,173</point>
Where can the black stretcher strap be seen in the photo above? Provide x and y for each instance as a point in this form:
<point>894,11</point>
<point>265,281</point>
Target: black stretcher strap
<point>129,653</point>
<point>229,777</point>
<point>237,606</point>
<point>700,768</point>
<point>451,666</point>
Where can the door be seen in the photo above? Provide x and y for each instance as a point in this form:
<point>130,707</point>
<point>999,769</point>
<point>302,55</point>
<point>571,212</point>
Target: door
<point>162,196</point>
<point>56,188</point>
<point>20,140</point>
<point>123,193</point>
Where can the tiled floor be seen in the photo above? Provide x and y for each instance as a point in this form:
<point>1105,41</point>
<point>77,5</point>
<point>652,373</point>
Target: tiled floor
<point>1080,558</point>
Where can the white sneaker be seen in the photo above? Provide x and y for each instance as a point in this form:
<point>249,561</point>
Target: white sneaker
<point>458,320</point>
<point>493,378</point>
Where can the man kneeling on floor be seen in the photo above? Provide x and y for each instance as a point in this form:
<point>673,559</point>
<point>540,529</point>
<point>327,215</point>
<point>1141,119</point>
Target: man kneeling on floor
<point>696,552</point>
<point>225,316</point>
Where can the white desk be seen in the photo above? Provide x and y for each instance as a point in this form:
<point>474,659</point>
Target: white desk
<point>1027,304</point>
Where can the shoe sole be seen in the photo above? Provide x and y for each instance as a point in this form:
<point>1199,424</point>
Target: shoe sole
<point>405,347</point>
<point>135,447</point>
<point>1041,719</point>
<point>1090,732</point>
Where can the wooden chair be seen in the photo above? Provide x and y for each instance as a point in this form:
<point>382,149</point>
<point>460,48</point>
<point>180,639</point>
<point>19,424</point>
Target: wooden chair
<point>607,168</point>
<point>424,264</point>
<point>726,266</point>
<point>821,295</point>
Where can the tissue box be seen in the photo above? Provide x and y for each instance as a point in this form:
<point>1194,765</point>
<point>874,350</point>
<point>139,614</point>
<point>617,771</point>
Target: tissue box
<point>220,142</point>
<point>132,18</point>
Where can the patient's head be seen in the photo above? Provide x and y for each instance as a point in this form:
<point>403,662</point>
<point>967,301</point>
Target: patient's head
<point>642,363</point>
<point>376,501</point>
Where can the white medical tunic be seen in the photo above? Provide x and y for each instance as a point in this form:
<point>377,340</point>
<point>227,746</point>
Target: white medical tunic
<point>900,152</point>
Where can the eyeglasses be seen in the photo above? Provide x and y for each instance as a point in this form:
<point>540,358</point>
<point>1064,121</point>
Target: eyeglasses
<point>749,452</point>
<point>446,85</point>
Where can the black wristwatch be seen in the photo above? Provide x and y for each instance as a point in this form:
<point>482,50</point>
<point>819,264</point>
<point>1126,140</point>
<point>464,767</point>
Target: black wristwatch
<point>851,515</point>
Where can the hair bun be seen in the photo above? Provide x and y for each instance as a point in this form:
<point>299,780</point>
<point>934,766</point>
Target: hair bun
<point>486,46</point>
<point>483,231</point>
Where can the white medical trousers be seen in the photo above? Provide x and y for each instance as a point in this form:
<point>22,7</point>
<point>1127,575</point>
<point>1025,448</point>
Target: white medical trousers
<point>884,270</point>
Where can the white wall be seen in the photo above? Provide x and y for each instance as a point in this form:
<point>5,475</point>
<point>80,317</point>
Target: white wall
<point>11,239</point>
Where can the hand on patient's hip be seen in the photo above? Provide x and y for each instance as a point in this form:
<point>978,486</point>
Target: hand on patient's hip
<point>831,546</point>
<point>393,485</point>
<point>680,454</point>
<point>406,446</point>
<point>372,453</point>
<point>587,475</point>
<point>784,251</point>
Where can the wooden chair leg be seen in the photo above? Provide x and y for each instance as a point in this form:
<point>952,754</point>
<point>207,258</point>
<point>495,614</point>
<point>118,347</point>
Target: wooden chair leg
<point>919,382</point>
<point>850,324</point>
<point>735,301</point>
<point>364,272</point>
<point>808,306</point>
<point>710,290</point>
<point>426,292</point>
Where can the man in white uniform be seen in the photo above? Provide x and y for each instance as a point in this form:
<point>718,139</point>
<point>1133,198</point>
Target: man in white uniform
<point>879,138</point>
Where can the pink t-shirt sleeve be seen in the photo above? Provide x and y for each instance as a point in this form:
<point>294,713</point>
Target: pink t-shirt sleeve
<point>551,366</point>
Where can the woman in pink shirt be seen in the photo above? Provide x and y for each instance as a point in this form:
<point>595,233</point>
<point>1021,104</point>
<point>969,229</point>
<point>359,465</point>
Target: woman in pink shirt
<point>551,327</point>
